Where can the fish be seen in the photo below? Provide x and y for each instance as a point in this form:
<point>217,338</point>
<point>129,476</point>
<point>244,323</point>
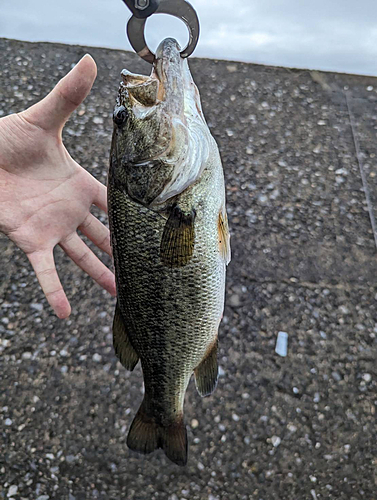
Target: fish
<point>170,243</point>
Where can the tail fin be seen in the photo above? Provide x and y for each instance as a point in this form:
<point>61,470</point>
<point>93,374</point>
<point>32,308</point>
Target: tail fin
<point>173,440</point>
<point>145,436</point>
<point>143,433</point>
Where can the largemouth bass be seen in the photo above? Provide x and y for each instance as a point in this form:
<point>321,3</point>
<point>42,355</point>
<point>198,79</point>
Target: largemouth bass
<point>170,242</point>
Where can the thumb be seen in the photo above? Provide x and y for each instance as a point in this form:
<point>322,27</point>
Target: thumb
<point>53,111</point>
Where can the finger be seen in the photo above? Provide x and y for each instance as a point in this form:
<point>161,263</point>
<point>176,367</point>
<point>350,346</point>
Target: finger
<point>96,232</point>
<point>101,198</point>
<point>82,256</point>
<point>53,111</point>
<point>44,267</point>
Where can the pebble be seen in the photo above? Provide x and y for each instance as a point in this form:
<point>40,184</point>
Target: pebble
<point>12,490</point>
<point>50,456</point>
<point>275,441</point>
<point>342,171</point>
<point>26,355</point>
<point>8,421</point>
<point>234,300</point>
<point>200,466</point>
<point>282,344</point>
<point>344,310</point>
<point>97,357</point>
<point>336,376</point>
<point>317,397</point>
<point>262,198</point>
<point>43,497</point>
<point>97,120</point>
<point>221,371</point>
<point>37,307</point>
<point>235,417</point>
<point>194,423</point>
<point>367,377</point>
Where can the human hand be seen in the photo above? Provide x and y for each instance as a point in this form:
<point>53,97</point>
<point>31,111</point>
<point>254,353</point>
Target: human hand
<point>45,196</point>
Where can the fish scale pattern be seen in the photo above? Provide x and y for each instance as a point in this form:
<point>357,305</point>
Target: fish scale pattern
<point>171,314</point>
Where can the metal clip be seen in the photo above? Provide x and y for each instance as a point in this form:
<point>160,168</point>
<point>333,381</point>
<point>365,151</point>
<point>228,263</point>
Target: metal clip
<point>178,8</point>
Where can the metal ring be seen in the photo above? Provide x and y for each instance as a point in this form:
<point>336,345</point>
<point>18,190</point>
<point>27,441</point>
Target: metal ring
<point>180,9</point>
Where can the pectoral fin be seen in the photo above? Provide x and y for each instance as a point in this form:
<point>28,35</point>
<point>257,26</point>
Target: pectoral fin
<point>224,237</point>
<point>177,243</point>
<point>122,345</point>
<point>206,373</point>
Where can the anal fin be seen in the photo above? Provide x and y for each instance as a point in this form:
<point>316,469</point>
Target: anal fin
<point>206,373</point>
<point>122,345</point>
<point>177,243</point>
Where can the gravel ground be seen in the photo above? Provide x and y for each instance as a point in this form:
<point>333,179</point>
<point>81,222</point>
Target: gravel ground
<point>301,427</point>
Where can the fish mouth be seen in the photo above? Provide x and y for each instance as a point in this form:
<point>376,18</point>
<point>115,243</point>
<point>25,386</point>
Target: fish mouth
<point>159,123</point>
<point>165,85</point>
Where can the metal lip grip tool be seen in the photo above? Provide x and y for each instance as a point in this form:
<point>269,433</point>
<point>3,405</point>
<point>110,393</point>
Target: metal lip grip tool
<point>142,9</point>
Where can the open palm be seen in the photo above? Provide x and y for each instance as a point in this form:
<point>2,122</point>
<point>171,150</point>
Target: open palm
<point>45,196</point>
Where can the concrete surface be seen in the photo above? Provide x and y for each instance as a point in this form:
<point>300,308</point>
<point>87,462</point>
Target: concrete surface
<point>304,261</point>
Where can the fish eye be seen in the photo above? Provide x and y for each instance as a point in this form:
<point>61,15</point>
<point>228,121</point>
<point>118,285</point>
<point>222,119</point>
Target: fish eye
<point>120,115</point>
